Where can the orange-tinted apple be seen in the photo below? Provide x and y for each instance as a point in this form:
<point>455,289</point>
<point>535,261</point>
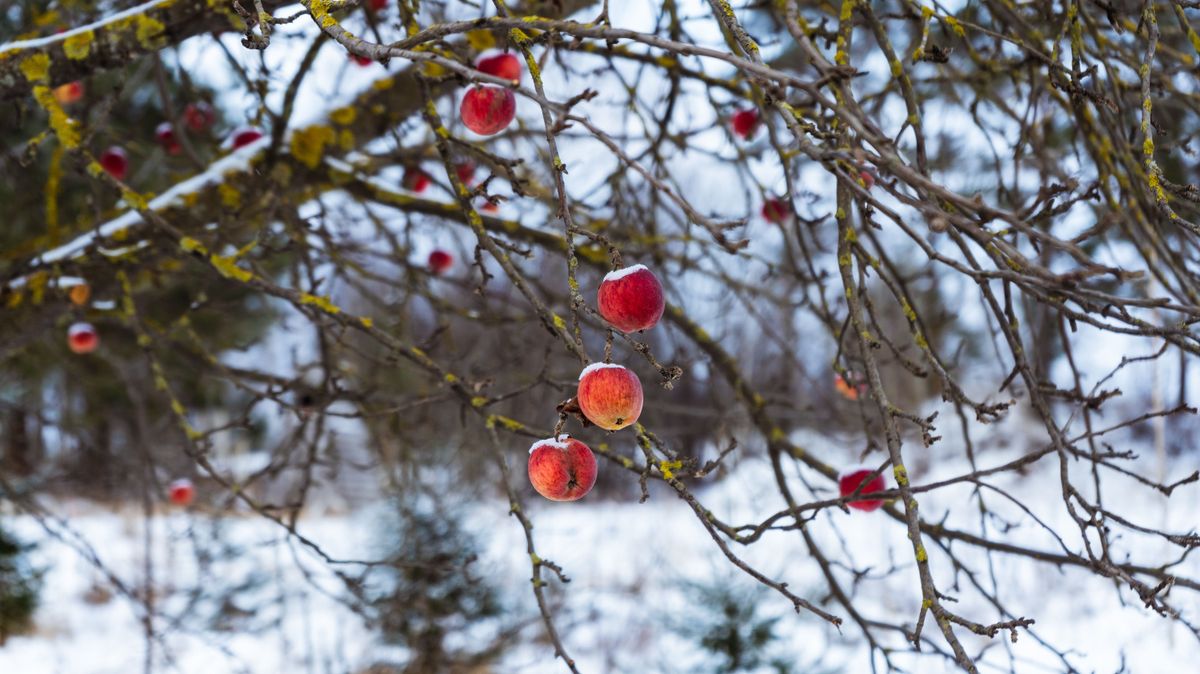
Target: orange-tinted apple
<point>562,468</point>
<point>68,93</point>
<point>610,395</point>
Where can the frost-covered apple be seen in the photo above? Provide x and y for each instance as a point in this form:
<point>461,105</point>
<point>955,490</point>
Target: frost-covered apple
<point>631,298</point>
<point>115,162</point>
<point>439,261</point>
<point>505,66</point>
<point>745,122</point>
<point>82,338</point>
<point>244,136</point>
<point>199,116</point>
<point>68,93</point>
<point>849,481</point>
<point>488,110</point>
<point>562,468</point>
<point>165,135</point>
<point>415,180</point>
<point>181,492</point>
<point>610,395</point>
<point>775,211</point>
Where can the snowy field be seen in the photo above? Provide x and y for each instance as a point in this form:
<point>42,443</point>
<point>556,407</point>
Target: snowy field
<point>627,563</point>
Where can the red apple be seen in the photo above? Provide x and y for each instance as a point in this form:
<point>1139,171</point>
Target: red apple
<point>181,492</point>
<point>199,116</point>
<point>362,60</point>
<point>487,110</point>
<point>852,385</point>
<point>82,338</point>
<point>562,468</point>
<point>610,395</point>
<point>115,162</point>
<point>68,93</point>
<point>377,5</point>
<point>631,298</point>
<point>505,66</point>
<point>465,170</point>
<point>244,136</point>
<point>489,207</point>
<point>745,122</point>
<point>415,180</point>
<point>775,211</point>
<point>165,135</point>
<point>439,261</point>
<point>867,178</point>
<point>849,481</point>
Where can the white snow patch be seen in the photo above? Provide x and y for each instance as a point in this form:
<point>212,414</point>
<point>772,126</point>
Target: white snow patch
<point>597,366</point>
<point>622,273</point>
<point>559,442</point>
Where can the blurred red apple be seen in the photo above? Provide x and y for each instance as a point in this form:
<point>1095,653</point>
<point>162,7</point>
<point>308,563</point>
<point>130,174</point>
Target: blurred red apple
<point>115,162</point>
<point>562,468</point>
<point>745,122</point>
<point>489,207</point>
<point>775,211</point>
<point>68,93</point>
<point>415,180</point>
<point>439,261</point>
<point>631,298</point>
<point>465,170</point>
<point>362,60</point>
<point>610,395</point>
<point>165,135</point>
<point>377,5</point>
<point>199,116</point>
<point>181,492</point>
<point>849,481</point>
<point>488,110</point>
<point>867,178</point>
<point>79,294</point>
<point>851,385</point>
<point>82,338</point>
<point>505,66</point>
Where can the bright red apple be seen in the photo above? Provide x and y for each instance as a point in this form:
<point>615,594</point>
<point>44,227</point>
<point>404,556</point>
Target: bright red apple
<point>488,110</point>
<point>562,468</point>
<point>849,481</point>
<point>489,207</point>
<point>165,135</point>
<point>181,492</point>
<point>362,60</point>
<point>79,294</point>
<point>199,116</point>
<point>631,298</point>
<point>68,93</point>
<point>115,162</point>
<point>610,395</point>
<point>745,122</point>
<point>775,211</point>
<point>415,180</point>
<point>852,385</point>
<point>244,136</point>
<point>440,261</point>
<point>505,66</point>
<point>82,338</point>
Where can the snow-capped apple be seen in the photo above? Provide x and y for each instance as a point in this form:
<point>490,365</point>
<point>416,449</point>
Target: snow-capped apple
<point>199,116</point>
<point>852,385</point>
<point>488,110</point>
<point>82,338</point>
<point>745,122</point>
<point>562,468</point>
<point>631,298</point>
<point>415,180</point>
<point>610,395</point>
<point>849,481</point>
<point>775,211</point>
<point>165,135</point>
<point>115,162</point>
<point>181,492</point>
<point>68,93</point>
<point>244,136</point>
<point>503,65</point>
<point>439,261</point>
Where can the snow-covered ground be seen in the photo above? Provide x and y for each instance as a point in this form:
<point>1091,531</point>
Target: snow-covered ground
<point>627,563</point>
